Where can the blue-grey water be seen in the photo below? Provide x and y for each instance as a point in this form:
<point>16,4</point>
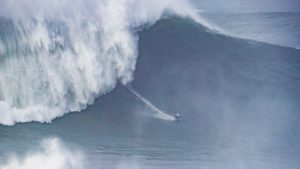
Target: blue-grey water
<point>238,99</point>
<point>281,28</point>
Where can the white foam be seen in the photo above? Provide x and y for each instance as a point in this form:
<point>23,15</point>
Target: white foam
<point>52,154</point>
<point>68,52</point>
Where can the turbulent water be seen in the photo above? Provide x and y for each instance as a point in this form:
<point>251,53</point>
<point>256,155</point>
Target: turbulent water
<point>126,67</point>
<point>56,61</point>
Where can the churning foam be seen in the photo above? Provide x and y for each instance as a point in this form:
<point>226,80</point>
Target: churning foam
<point>52,154</point>
<point>57,56</point>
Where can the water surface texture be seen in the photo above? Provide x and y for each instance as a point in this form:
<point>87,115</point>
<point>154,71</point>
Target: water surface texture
<point>172,85</point>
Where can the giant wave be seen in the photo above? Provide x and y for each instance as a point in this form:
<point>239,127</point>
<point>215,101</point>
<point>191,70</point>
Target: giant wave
<point>57,57</point>
<point>238,100</point>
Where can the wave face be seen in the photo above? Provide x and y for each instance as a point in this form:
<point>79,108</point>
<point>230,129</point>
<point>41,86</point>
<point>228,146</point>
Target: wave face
<point>56,57</point>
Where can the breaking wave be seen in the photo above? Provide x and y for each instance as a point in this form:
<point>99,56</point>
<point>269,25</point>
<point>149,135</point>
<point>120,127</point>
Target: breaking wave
<point>52,154</point>
<point>57,57</point>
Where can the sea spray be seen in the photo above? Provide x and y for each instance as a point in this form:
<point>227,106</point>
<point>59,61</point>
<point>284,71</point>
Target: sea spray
<point>50,154</point>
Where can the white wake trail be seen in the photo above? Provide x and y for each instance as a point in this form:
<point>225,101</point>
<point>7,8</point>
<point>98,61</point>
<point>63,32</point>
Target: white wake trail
<point>158,113</point>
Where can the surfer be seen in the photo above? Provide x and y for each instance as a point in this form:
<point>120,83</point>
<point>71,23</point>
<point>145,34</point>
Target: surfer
<point>177,116</point>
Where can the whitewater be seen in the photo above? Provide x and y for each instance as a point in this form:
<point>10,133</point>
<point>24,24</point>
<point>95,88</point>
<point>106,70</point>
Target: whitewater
<point>50,154</point>
<point>57,57</point>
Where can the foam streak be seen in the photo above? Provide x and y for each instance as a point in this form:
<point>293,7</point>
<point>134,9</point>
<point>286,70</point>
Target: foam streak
<point>158,113</point>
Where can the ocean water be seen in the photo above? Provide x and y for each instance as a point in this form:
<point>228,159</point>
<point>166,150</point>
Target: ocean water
<point>98,86</point>
<point>280,28</point>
